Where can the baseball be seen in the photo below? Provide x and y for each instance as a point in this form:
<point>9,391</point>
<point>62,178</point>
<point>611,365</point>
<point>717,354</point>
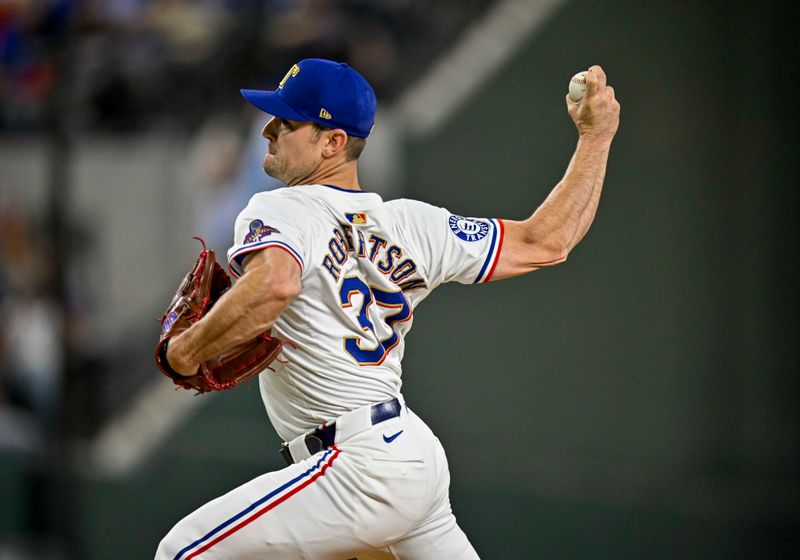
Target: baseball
<point>577,86</point>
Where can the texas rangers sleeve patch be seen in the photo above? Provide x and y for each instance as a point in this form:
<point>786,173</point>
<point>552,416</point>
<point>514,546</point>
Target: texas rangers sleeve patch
<point>468,229</point>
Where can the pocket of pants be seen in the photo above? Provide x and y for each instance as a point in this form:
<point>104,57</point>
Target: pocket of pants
<point>395,494</point>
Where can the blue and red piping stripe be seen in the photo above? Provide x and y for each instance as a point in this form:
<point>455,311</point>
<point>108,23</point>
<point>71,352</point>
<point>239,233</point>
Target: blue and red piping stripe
<point>495,246</point>
<point>259,508</point>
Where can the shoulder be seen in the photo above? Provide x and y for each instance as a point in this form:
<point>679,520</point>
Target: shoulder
<point>278,195</point>
<point>285,198</point>
<point>418,224</point>
<point>416,213</point>
<point>411,207</point>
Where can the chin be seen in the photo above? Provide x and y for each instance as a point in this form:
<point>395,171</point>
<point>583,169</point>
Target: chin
<point>268,167</point>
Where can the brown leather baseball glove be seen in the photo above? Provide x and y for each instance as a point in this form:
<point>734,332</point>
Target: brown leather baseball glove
<point>198,292</point>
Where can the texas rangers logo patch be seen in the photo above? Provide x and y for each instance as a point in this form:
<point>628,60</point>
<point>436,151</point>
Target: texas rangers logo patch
<point>468,229</point>
<point>358,218</point>
<point>258,231</point>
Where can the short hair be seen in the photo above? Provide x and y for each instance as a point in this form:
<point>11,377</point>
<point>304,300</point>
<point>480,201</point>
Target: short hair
<point>353,148</point>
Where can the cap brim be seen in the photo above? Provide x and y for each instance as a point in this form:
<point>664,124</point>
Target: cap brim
<point>272,103</point>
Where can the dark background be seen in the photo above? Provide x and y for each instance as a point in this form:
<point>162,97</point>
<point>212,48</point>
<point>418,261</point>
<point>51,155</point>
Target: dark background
<point>639,401</point>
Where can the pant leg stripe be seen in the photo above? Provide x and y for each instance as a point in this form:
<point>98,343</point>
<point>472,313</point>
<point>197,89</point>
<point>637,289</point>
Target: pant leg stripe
<point>327,458</point>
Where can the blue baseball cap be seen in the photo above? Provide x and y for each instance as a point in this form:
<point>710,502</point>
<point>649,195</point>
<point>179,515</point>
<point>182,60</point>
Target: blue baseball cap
<point>325,92</point>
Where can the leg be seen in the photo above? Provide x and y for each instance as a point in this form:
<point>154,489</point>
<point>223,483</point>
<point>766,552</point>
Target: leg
<point>442,539</point>
<point>439,537</point>
<point>285,514</point>
<point>386,485</point>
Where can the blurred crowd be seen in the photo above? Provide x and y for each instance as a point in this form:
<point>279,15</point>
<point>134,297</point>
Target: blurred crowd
<point>127,64</point>
<point>31,356</point>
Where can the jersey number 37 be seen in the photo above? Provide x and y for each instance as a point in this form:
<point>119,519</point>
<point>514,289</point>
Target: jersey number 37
<point>370,294</point>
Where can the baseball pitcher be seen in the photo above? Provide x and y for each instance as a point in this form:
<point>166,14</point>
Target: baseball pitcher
<point>329,276</point>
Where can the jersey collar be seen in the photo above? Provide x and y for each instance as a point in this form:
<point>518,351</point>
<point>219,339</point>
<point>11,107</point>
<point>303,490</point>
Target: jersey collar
<point>343,189</point>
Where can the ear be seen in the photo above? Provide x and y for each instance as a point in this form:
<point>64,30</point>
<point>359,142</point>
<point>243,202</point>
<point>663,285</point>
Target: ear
<point>335,142</point>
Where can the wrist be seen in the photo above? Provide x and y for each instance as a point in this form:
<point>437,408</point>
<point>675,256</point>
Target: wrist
<point>599,137</point>
<point>595,140</point>
<point>175,358</point>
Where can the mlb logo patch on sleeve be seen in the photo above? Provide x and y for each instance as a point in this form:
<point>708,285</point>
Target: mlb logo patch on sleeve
<point>468,229</point>
<point>358,218</point>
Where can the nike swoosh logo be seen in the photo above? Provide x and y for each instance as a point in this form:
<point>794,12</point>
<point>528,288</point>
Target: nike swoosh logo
<point>390,439</point>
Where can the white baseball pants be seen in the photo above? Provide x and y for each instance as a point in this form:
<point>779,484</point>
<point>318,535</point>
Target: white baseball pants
<point>381,492</point>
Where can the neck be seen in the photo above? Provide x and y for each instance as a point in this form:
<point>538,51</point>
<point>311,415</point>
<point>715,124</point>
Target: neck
<point>343,175</point>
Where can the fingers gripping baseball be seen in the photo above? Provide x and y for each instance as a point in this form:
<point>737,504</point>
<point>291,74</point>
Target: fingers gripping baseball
<point>597,114</point>
<point>595,79</point>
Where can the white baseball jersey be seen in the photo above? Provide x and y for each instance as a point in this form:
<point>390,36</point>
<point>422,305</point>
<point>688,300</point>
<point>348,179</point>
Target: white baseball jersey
<point>366,264</point>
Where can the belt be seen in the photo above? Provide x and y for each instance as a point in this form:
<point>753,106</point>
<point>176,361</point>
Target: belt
<point>325,436</point>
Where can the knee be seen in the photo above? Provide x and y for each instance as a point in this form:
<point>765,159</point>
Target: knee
<point>164,550</point>
<point>168,548</point>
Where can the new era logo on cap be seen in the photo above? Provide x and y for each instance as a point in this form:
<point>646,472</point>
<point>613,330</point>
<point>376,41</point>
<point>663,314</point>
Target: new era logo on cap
<point>326,92</point>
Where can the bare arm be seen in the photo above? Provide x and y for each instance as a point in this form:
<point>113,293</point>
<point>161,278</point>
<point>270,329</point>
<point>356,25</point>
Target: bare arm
<point>269,284</point>
<point>559,224</point>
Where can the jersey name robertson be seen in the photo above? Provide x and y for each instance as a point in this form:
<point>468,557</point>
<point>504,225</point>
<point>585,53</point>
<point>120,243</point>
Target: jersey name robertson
<point>387,256</point>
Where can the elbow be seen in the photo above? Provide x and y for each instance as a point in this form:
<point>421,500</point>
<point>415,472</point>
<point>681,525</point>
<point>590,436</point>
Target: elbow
<point>278,297</point>
<point>546,246</point>
<point>285,292</point>
<point>263,316</point>
<point>552,257</point>
<point>549,252</point>
<point>271,303</point>
<point>274,284</point>
<point>560,256</point>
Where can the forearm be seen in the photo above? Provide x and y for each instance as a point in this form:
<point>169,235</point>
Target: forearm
<point>561,221</point>
<point>563,218</point>
<point>590,210</point>
<point>240,315</point>
<point>248,309</point>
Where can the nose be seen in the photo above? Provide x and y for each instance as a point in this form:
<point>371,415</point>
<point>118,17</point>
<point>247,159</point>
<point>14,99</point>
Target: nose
<point>268,132</point>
